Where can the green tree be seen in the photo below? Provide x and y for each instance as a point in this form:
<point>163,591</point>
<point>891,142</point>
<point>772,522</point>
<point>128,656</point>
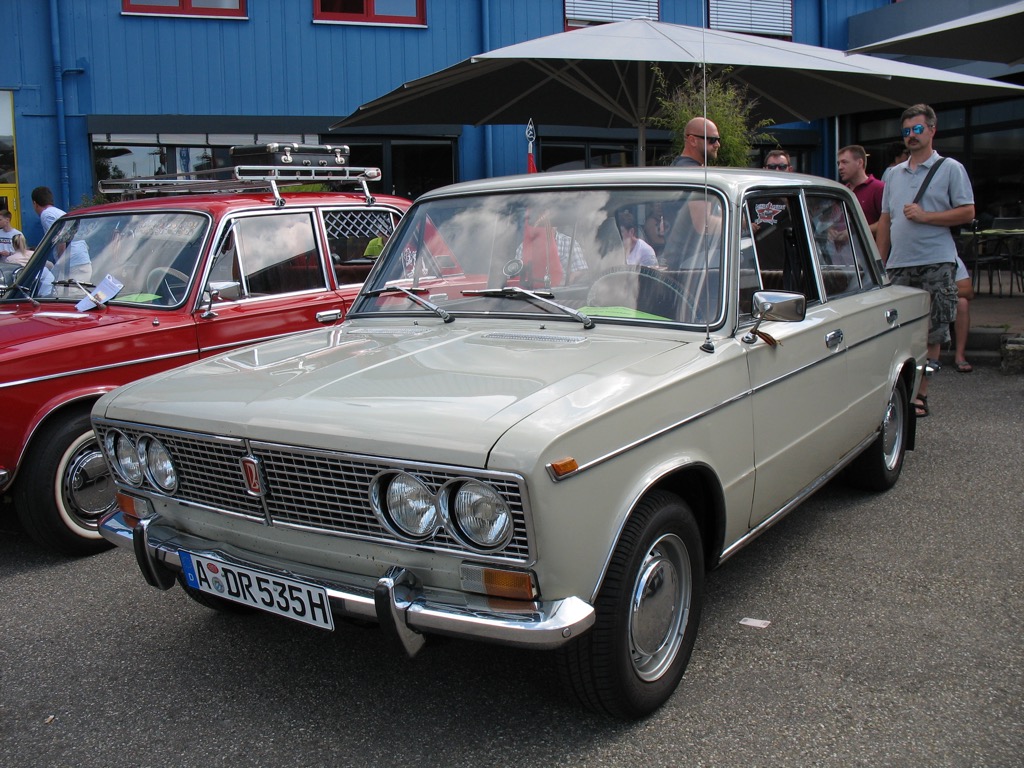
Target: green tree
<point>719,100</point>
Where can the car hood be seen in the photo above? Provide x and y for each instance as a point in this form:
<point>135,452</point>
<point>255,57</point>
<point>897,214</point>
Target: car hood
<point>24,324</point>
<point>56,339</point>
<point>430,394</point>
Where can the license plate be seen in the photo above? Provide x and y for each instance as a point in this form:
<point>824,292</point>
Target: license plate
<point>275,594</point>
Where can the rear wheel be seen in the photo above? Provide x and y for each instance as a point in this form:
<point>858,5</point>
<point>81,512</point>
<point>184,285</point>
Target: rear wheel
<point>65,487</point>
<point>632,659</point>
<point>879,467</point>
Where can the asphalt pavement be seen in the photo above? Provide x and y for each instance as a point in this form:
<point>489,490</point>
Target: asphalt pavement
<point>894,640</point>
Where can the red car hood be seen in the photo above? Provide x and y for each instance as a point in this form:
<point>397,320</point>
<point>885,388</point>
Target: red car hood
<point>28,324</point>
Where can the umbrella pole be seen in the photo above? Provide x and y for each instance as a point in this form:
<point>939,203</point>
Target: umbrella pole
<point>641,128</point>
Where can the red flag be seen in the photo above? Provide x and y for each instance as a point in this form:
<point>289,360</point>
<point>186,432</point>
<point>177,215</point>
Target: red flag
<point>531,134</point>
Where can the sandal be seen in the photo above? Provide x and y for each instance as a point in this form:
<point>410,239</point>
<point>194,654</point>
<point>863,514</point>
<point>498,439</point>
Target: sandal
<point>920,406</point>
<point>962,366</point>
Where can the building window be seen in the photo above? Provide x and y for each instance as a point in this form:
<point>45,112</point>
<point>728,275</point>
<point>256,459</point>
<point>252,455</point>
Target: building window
<point>581,13</point>
<point>215,8</point>
<point>371,11</point>
<point>757,17</point>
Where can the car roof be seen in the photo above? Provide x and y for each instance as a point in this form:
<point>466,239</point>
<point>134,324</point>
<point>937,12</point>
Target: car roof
<point>733,181</point>
<point>225,203</point>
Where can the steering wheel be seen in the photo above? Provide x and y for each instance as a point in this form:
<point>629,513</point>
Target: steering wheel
<point>644,288</point>
<point>171,279</point>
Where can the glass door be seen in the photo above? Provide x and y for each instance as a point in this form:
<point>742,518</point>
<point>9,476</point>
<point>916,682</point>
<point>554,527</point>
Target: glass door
<point>8,172</point>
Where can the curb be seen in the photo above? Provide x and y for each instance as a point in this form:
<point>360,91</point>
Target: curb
<point>990,347</point>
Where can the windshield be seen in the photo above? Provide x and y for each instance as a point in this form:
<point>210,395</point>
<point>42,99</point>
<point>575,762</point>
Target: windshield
<point>153,255</point>
<point>614,255</point>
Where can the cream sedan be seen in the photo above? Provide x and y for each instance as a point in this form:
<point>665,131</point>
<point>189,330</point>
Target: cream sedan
<point>533,428</point>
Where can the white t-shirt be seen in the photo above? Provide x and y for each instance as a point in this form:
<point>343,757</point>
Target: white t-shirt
<point>643,254</point>
<point>961,270</point>
<point>48,215</point>
<point>6,244</point>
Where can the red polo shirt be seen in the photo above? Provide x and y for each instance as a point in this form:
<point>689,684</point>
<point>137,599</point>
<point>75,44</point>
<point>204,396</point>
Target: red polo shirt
<point>869,194</point>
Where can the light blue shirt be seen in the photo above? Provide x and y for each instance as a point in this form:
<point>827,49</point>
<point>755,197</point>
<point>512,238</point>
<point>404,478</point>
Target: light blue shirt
<point>914,244</point>
<point>48,216</point>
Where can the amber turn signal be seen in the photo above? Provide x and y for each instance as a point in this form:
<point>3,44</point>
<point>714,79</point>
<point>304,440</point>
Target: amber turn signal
<point>134,509</point>
<point>564,467</point>
<point>496,582</point>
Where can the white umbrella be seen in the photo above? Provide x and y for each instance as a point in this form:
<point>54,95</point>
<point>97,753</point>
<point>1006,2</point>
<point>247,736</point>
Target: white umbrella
<point>993,35</point>
<point>600,76</point>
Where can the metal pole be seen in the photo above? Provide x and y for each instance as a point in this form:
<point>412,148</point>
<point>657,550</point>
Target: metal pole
<point>641,128</point>
<point>485,21</point>
<point>58,85</point>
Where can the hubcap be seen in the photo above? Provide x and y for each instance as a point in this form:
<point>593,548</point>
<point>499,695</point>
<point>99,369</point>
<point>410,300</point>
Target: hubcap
<point>86,487</point>
<point>892,432</point>
<point>661,603</point>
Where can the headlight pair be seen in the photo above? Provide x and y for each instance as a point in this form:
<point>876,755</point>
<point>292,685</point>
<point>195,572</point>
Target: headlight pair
<point>136,462</point>
<point>471,510</point>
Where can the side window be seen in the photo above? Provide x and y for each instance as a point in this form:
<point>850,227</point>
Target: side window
<point>863,257</point>
<point>355,238</point>
<point>351,231</point>
<point>268,255</point>
<point>840,247</point>
<point>750,280</point>
<point>780,249</point>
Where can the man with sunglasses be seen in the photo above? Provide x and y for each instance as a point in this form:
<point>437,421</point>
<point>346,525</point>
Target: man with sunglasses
<point>913,235</point>
<point>778,160</point>
<point>701,143</point>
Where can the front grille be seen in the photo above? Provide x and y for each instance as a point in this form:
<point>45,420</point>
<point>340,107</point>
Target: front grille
<point>321,491</point>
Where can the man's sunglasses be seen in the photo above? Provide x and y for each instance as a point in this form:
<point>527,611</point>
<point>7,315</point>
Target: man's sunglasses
<point>708,139</point>
<point>917,129</point>
<point>777,166</point>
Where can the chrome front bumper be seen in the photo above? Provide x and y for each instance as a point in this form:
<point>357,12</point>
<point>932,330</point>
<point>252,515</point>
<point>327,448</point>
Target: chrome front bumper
<point>404,610</point>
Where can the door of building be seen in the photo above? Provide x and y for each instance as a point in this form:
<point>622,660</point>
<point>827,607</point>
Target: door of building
<point>8,172</point>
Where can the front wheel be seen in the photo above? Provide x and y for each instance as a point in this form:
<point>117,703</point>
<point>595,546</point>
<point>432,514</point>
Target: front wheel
<point>879,466</point>
<point>648,610</point>
<point>65,487</point>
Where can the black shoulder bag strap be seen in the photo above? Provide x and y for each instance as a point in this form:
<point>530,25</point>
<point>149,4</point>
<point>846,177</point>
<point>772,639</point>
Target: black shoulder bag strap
<point>927,180</point>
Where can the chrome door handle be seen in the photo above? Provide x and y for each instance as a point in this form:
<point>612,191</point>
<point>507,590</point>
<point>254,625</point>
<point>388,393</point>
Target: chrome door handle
<point>328,316</point>
<point>891,316</point>
<point>833,339</point>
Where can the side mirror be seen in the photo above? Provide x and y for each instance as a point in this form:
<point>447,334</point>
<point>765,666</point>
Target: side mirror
<point>781,306</point>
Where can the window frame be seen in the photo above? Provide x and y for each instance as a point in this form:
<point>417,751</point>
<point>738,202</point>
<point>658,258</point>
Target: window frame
<point>766,18</point>
<point>584,13</point>
<point>183,8</point>
<point>370,16</point>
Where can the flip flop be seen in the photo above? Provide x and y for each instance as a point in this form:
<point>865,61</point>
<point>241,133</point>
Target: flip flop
<point>962,366</point>
<point>920,406</point>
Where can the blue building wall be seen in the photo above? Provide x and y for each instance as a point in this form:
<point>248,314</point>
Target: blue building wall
<point>277,62</point>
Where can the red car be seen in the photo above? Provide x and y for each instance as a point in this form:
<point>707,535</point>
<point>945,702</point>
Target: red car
<point>120,291</point>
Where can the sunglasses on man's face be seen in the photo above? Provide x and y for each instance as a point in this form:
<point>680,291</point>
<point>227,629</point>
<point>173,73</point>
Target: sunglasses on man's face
<point>917,129</point>
<point>777,166</point>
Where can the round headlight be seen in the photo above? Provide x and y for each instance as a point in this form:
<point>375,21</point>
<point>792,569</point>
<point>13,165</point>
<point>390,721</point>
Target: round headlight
<point>158,464</point>
<point>482,517</point>
<point>126,458</point>
<point>408,505</point>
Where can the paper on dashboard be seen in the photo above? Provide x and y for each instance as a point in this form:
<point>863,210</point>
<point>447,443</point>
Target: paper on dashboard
<point>104,292</point>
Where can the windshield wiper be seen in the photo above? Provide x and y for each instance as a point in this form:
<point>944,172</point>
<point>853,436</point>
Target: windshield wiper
<point>26,293</point>
<point>412,294</point>
<point>515,292</point>
<point>84,287</point>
